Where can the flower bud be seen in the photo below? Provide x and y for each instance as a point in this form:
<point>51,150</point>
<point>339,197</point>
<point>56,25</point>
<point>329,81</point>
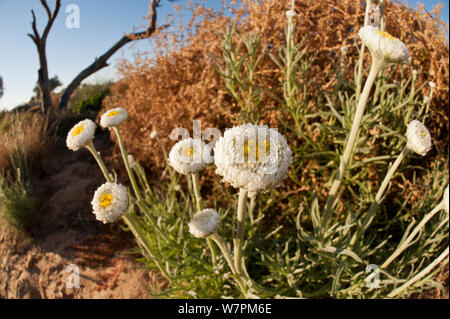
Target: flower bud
<point>204,223</point>
<point>419,138</point>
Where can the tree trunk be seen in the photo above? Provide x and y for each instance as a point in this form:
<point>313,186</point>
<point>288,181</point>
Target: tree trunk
<point>41,42</point>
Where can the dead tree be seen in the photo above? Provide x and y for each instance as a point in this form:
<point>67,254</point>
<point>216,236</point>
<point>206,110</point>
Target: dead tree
<point>97,65</point>
<point>41,41</point>
<point>1,86</point>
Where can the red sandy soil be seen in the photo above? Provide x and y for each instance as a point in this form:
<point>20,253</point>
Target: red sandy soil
<point>34,265</point>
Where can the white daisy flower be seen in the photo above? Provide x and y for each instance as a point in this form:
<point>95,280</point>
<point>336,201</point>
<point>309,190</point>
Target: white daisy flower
<point>384,46</point>
<point>446,199</point>
<point>113,117</point>
<point>110,202</point>
<point>81,134</point>
<point>204,223</point>
<point>189,156</point>
<point>419,138</point>
<point>252,157</point>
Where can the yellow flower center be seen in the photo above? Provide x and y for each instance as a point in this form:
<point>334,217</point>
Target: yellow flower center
<point>78,130</point>
<point>386,35</point>
<point>252,149</point>
<point>105,200</point>
<point>113,113</point>
<point>187,151</point>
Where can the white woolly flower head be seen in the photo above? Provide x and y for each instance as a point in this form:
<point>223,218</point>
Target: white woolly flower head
<point>384,46</point>
<point>419,138</point>
<point>81,134</point>
<point>113,117</point>
<point>189,156</point>
<point>252,157</point>
<point>446,200</point>
<point>204,223</point>
<point>432,84</point>
<point>110,202</point>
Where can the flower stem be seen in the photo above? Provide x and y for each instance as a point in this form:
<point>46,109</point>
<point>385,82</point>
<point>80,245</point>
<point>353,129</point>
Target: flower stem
<point>404,245</point>
<point>127,166</point>
<point>382,18</point>
<point>361,57</point>
<point>90,146</point>
<point>421,274</point>
<point>370,215</point>
<point>141,202</point>
<point>251,209</point>
<point>377,65</point>
<point>140,173</point>
<point>196,186</point>
<point>213,252</point>
<point>220,243</point>
<point>239,236</point>
<point>389,175</point>
<point>199,200</point>
<point>130,223</point>
<point>127,219</point>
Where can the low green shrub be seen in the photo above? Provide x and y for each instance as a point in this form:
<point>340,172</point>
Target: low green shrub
<point>92,104</point>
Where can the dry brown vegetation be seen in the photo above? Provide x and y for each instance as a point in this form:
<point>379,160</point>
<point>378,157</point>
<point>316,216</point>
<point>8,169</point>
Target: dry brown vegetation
<point>181,83</point>
<point>22,134</point>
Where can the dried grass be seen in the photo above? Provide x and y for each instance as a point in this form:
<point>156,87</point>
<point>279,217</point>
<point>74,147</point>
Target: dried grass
<point>24,140</point>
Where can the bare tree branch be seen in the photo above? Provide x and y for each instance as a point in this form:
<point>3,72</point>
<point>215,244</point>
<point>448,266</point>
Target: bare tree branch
<point>98,64</point>
<point>101,61</point>
<point>47,9</point>
<point>51,17</point>
<point>36,38</point>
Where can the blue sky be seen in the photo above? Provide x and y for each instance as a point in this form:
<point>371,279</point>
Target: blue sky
<point>102,23</point>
